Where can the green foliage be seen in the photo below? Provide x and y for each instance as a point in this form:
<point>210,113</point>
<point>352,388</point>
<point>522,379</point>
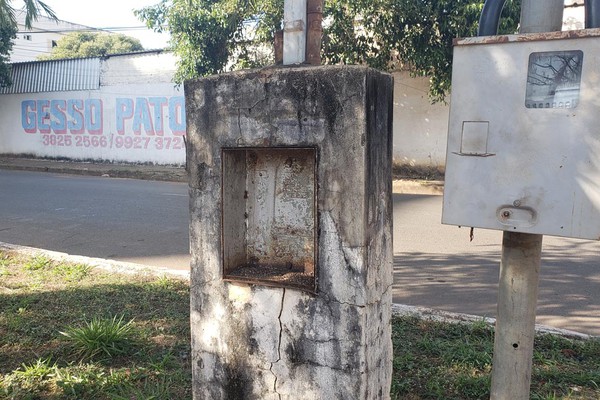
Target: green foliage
<point>28,379</point>
<point>92,44</point>
<point>207,35</point>
<point>7,34</point>
<point>435,360</point>
<point>211,36</point>
<point>107,337</point>
<point>154,366</point>
<point>38,370</point>
<point>406,34</point>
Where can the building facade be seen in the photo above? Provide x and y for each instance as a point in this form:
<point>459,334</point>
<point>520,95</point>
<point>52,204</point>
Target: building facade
<point>119,108</point>
<point>41,38</point>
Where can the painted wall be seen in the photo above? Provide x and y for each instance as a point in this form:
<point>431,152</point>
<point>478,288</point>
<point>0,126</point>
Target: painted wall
<point>137,122</point>
<point>420,128</point>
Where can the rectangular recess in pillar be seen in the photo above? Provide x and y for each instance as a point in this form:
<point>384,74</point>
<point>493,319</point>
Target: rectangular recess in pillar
<point>269,231</point>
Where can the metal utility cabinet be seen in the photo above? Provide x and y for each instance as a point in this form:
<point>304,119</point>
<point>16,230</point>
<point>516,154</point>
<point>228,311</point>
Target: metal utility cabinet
<point>524,134</point>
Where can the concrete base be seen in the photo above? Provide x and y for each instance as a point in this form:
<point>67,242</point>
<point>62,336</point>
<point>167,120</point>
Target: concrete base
<point>251,341</point>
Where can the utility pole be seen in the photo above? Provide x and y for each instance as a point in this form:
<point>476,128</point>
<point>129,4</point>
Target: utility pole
<point>520,265</point>
<point>302,31</point>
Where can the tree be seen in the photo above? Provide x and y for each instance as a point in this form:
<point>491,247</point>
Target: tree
<point>8,29</point>
<point>92,44</point>
<point>33,9</point>
<point>210,36</point>
<point>7,34</point>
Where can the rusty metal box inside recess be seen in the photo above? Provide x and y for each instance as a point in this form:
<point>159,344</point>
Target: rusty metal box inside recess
<point>524,134</point>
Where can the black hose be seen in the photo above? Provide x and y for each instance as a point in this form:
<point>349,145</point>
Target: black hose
<point>592,13</point>
<point>490,17</point>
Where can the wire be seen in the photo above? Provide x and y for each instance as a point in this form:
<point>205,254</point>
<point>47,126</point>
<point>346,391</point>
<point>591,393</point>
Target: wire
<point>90,29</point>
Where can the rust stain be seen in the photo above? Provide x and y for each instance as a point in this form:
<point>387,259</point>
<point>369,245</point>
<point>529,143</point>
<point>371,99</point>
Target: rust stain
<point>528,37</point>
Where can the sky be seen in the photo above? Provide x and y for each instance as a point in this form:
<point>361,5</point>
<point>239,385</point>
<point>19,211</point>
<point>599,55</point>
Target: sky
<point>110,14</point>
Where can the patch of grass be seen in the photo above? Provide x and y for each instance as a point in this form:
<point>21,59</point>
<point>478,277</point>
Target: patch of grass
<point>435,360</point>
<point>5,261</point>
<point>405,170</point>
<point>72,272</point>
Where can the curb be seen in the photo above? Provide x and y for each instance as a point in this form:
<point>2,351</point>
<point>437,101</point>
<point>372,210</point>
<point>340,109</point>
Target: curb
<point>132,171</point>
<point>397,309</point>
<point>101,263</point>
<point>457,318</point>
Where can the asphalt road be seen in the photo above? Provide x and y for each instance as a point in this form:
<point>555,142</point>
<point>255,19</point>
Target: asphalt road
<point>437,266</point>
<point>434,265</point>
<point>131,220</point>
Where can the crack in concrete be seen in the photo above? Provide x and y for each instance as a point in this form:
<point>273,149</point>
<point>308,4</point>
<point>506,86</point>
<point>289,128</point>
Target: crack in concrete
<point>239,117</point>
<point>239,122</point>
<point>279,344</point>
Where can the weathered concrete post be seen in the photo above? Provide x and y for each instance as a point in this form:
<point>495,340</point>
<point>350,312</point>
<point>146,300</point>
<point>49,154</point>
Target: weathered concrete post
<point>291,239</point>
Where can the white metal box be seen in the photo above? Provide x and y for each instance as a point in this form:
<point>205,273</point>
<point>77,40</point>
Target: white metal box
<point>524,134</point>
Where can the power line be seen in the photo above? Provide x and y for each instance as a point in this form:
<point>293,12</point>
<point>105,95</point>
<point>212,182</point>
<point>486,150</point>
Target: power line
<point>90,29</point>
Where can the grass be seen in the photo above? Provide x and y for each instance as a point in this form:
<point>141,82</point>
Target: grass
<point>124,337</point>
<point>127,337</point>
<point>435,360</point>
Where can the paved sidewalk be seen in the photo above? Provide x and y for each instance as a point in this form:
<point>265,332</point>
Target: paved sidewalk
<point>165,173</point>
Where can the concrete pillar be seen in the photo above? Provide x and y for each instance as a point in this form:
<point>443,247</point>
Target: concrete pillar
<point>515,321</point>
<point>269,151</point>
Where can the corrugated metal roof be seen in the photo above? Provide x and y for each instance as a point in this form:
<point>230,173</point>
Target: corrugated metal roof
<point>55,76</point>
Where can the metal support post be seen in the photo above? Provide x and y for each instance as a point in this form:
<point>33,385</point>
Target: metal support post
<point>520,265</point>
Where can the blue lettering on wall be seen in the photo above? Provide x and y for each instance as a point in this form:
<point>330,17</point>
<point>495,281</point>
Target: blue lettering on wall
<point>58,108</point>
<point>75,113</point>
<point>28,116</point>
<point>149,116</point>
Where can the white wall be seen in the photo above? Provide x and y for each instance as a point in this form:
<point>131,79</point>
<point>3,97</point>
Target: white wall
<point>139,122</point>
<point>420,128</point>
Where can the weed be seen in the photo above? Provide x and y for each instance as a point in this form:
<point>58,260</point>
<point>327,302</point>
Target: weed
<point>40,369</point>
<point>163,282</point>
<point>87,381</point>
<point>29,378</point>
<point>107,337</point>
<point>37,263</point>
<point>5,259</point>
<point>72,272</point>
